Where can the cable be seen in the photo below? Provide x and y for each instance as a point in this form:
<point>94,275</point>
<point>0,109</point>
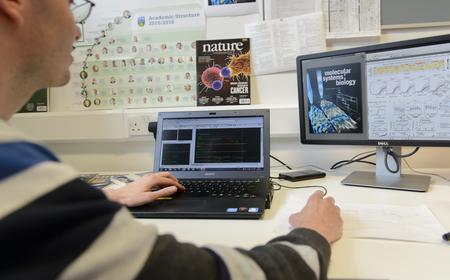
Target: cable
<point>425,173</point>
<point>284,164</point>
<point>386,164</point>
<point>317,167</point>
<point>389,152</point>
<point>354,159</point>
<point>363,153</point>
<point>342,163</point>
<point>314,166</point>
<point>303,166</point>
<point>280,186</point>
<point>407,155</point>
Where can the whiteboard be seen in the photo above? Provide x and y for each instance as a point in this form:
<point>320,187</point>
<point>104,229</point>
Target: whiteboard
<point>414,13</point>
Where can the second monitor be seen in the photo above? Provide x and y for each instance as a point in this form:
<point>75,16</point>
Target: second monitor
<point>386,95</point>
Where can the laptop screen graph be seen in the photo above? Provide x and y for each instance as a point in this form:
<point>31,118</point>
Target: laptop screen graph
<point>212,144</point>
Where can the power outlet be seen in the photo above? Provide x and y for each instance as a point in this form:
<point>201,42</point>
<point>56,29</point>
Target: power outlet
<point>138,125</point>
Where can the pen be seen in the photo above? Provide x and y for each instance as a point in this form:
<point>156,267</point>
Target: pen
<point>446,236</point>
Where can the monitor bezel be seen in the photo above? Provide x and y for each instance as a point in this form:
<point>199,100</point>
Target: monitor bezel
<point>442,39</point>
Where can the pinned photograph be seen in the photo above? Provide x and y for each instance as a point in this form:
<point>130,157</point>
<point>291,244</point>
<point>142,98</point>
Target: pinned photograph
<point>87,103</point>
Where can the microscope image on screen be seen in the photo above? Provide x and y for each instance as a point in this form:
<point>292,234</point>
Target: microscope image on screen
<point>334,99</point>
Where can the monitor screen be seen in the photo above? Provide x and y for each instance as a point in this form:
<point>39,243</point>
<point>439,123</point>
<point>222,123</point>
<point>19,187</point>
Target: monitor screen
<point>395,94</point>
<point>212,144</point>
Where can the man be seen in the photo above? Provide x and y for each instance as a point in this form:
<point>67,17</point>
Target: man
<point>55,226</point>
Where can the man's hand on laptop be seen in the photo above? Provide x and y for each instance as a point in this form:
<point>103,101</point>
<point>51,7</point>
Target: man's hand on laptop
<point>320,214</point>
<point>145,189</point>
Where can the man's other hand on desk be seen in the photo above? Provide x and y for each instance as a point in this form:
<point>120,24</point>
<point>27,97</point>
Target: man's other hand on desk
<point>320,214</point>
<point>141,191</point>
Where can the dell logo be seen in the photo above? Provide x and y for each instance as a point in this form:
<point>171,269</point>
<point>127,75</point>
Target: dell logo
<point>383,143</point>
<point>210,174</point>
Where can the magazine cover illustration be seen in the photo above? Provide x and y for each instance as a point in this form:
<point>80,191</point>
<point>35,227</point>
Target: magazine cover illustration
<point>223,72</point>
<point>334,99</point>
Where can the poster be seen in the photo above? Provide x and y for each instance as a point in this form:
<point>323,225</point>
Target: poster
<point>144,58</point>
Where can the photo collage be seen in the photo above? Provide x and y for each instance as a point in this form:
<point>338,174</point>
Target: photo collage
<point>129,69</point>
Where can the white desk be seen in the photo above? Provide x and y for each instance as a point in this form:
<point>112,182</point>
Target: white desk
<point>351,258</point>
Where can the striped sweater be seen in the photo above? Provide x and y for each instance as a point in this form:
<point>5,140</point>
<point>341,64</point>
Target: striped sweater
<point>53,225</point>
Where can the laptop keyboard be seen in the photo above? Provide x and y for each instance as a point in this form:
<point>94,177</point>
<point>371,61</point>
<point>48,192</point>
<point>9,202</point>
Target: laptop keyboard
<point>221,188</point>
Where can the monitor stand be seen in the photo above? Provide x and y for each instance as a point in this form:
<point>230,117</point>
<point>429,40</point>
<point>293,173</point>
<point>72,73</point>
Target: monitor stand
<point>382,178</point>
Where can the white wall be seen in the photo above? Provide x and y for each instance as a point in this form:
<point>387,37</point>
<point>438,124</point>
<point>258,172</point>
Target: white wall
<point>138,156</point>
<point>269,89</point>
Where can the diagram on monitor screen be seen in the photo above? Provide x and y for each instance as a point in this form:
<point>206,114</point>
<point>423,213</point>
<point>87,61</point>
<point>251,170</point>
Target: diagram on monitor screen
<point>409,98</point>
<point>334,99</point>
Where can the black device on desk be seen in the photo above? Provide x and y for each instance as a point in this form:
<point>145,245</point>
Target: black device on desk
<point>386,95</point>
<point>301,175</point>
<point>221,157</point>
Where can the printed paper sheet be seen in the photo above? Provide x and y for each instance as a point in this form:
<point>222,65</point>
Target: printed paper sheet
<point>277,43</point>
<point>352,18</point>
<point>275,9</point>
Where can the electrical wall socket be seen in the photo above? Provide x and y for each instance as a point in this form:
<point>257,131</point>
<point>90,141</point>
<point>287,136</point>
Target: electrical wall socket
<point>138,125</point>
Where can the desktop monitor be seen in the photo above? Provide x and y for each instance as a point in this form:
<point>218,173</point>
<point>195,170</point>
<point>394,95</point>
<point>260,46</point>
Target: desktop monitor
<point>386,95</point>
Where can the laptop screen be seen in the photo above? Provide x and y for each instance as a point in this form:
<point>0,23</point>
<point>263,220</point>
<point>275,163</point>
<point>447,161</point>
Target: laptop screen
<point>212,144</point>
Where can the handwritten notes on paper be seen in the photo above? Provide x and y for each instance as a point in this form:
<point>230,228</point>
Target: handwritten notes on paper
<point>391,222</point>
<point>373,221</point>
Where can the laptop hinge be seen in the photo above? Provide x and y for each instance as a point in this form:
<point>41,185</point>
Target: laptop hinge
<point>269,196</point>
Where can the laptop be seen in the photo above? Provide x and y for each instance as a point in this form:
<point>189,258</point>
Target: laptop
<point>221,157</point>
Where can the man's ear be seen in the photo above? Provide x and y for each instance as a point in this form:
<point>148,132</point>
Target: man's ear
<point>12,10</point>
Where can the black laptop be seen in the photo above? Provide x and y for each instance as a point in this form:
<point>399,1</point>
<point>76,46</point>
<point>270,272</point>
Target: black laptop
<point>221,157</point>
